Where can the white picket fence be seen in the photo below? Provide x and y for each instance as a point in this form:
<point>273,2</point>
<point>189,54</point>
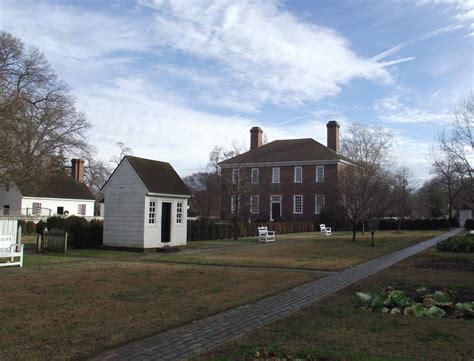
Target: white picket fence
<point>9,227</point>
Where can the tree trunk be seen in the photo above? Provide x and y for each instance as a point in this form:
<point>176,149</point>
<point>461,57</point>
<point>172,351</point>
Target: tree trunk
<point>372,242</point>
<point>354,233</point>
<point>399,224</point>
<point>235,227</point>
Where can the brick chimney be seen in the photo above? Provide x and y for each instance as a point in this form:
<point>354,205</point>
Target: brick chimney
<point>77,169</point>
<point>333,135</point>
<point>256,137</point>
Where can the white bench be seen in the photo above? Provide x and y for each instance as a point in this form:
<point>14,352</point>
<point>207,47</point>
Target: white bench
<point>325,231</point>
<point>265,236</point>
<point>8,249</point>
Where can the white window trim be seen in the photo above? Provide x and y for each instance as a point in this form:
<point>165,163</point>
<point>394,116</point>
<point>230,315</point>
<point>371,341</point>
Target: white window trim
<point>150,213</point>
<point>275,170</point>
<point>294,204</point>
<point>179,212</point>
<point>81,209</point>
<point>316,211</point>
<point>257,205</point>
<point>254,180</point>
<point>301,174</point>
<point>318,180</point>
<point>235,176</point>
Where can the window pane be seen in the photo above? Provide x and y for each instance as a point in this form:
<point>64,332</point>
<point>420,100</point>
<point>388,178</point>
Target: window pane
<point>179,212</point>
<point>254,175</point>
<point>152,213</point>
<point>320,174</point>
<point>276,175</point>
<point>298,204</point>
<point>298,174</point>
<point>319,203</point>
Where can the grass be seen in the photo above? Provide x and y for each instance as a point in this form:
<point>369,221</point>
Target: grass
<point>305,250</point>
<point>65,307</point>
<point>336,329</point>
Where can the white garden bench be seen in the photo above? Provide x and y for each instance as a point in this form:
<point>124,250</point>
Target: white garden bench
<point>265,236</point>
<point>11,250</point>
<point>325,231</point>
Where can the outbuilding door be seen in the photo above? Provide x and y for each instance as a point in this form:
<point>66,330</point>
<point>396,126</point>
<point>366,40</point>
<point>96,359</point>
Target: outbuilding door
<point>165,222</point>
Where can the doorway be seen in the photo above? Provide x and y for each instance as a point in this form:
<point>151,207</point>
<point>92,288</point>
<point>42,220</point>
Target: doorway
<point>165,222</point>
<point>275,207</point>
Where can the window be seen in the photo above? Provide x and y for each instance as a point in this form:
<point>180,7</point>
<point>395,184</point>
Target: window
<point>298,204</point>
<point>179,212</point>
<point>60,210</point>
<point>254,176</point>
<point>319,203</point>
<point>152,212</point>
<point>275,175</point>
<point>298,174</point>
<point>235,176</point>
<point>81,209</point>
<point>254,204</point>
<point>320,173</point>
<point>234,204</point>
<point>6,209</point>
<point>36,208</point>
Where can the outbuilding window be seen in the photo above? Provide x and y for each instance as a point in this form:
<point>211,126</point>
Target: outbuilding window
<point>297,204</point>
<point>179,212</point>
<point>81,209</point>
<point>152,213</point>
<point>36,208</point>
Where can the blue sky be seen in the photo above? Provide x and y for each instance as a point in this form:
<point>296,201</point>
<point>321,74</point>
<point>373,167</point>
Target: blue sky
<point>171,79</point>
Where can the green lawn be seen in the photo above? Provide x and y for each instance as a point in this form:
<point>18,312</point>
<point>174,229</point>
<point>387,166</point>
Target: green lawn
<point>75,308</point>
<point>304,250</point>
<point>337,329</point>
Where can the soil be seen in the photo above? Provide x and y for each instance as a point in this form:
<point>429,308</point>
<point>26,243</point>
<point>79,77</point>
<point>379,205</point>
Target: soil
<point>448,264</point>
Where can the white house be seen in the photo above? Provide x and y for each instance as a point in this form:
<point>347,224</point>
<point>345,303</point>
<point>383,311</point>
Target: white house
<point>145,205</point>
<point>61,195</point>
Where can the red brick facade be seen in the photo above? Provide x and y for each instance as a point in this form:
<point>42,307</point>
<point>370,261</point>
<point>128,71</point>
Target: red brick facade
<point>287,189</point>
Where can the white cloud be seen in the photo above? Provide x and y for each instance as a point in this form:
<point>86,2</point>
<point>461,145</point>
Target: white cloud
<point>404,106</point>
<point>263,49</point>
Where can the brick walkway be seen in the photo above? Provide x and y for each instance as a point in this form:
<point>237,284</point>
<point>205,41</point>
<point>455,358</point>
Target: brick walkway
<point>200,336</point>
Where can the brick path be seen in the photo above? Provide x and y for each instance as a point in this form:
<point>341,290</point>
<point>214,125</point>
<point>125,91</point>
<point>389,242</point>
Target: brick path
<point>200,336</point>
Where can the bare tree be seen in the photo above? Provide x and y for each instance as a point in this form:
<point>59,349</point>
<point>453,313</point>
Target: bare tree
<point>363,187</point>
<point>401,194</point>
<point>124,151</point>
<point>457,145</point>
<point>40,124</point>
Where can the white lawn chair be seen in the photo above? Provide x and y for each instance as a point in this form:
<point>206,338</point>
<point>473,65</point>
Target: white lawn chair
<point>11,250</point>
<point>265,236</point>
<point>325,231</point>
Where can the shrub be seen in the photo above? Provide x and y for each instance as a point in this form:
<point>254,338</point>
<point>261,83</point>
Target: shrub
<point>40,226</point>
<point>454,222</point>
<point>457,244</point>
<point>469,224</point>
<point>30,227</point>
<point>22,223</point>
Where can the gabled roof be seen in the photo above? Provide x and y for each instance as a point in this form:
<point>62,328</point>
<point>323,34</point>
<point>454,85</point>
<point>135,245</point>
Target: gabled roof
<point>158,177</point>
<point>62,186</point>
<point>287,150</point>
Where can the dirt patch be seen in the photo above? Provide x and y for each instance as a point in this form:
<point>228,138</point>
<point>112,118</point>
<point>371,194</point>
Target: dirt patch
<point>447,264</point>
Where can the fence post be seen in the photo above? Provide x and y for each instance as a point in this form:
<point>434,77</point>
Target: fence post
<point>38,242</point>
<point>65,242</point>
<point>44,238</point>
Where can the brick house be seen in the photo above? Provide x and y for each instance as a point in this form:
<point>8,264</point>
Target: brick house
<point>288,179</point>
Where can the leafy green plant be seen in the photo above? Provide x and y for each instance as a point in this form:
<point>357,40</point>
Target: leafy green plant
<point>457,244</point>
<point>435,305</point>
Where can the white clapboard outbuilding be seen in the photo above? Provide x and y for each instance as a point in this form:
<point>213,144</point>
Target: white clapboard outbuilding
<point>145,205</point>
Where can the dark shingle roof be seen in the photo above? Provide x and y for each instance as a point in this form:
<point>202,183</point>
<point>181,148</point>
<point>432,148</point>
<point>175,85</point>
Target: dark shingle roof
<point>158,177</point>
<point>62,186</point>
<point>287,150</point>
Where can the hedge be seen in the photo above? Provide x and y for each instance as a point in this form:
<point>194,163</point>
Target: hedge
<point>81,233</point>
<point>415,224</point>
<point>208,230</point>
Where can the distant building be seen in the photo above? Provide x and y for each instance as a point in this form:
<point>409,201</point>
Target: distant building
<point>289,179</point>
<point>145,205</point>
<point>62,195</point>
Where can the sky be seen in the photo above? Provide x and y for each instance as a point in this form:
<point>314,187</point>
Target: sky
<point>173,79</point>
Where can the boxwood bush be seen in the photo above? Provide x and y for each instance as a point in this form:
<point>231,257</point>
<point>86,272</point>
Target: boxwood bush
<point>463,244</point>
<point>469,224</point>
<point>415,224</point>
